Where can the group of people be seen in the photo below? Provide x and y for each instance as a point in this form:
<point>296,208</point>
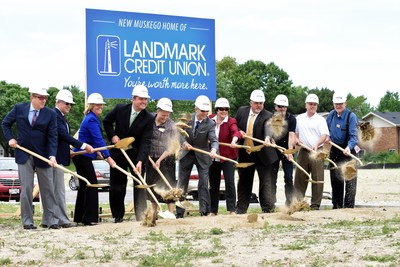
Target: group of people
<point>46,132</point>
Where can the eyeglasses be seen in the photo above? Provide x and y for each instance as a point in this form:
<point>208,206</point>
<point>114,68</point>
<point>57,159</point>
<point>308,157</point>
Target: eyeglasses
<point>281,106</point>
<point>40,97</point>
<point>204,110</point>
<point>223,109</point>
<point>68,104</point>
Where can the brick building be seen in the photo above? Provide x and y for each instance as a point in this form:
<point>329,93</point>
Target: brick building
<point>387,125</point>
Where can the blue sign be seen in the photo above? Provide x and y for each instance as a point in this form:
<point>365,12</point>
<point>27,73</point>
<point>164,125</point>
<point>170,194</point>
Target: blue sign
<point>172,56</point>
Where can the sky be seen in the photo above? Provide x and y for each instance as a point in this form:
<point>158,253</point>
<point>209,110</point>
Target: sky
<point>345,46</point>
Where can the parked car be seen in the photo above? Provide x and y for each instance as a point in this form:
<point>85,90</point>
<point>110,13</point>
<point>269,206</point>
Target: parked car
<point>10,185</point>
<point>102,173</point>
<point>193,185</point>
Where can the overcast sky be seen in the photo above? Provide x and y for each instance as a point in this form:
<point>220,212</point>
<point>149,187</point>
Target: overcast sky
<point>346,46</point>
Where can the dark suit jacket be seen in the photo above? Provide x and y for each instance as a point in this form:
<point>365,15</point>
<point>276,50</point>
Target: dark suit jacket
<point>116,122</point>
<point>64,140</point>
<point>200,139</point>
<point>267,155</point>
<point>40,138</point>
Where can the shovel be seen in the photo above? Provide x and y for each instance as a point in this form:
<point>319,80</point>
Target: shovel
<point>178,203</point>
<point>351,155</point>
<point>88,184</point>
<point>303,170</point>
<point>237,164</point>
<point>141,186</point>
<point>164,214</point>
<point>234,146</point>
<point>123,143</point>
<point>258,148</point>
<point>325,158</point>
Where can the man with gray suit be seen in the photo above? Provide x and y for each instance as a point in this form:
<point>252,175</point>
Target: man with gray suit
<point>64,101</point>
<point>37,131</point>
<point>201,135</point>
<point>252,122</point>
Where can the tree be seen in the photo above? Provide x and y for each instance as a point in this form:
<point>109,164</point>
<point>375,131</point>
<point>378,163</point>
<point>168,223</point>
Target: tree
<point>390,102</point>
<point>358,105</point>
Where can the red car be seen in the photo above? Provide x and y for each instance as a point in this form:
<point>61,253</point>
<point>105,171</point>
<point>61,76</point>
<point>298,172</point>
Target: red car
<point>10,185</point>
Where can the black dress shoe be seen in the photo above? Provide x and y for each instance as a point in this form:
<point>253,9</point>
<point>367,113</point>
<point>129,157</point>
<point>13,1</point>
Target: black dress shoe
<point>43,225</point>
<point>118,220</point>
<point>67,225</point>
<point>179,215</point>
<point>30,227</point>
<point>89,224</point>
<point>54,226</point>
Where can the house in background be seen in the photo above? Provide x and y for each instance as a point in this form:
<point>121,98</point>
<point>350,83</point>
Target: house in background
<point>387,125</point>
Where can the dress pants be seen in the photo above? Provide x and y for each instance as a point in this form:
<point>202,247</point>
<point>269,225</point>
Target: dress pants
<point>215,181</point>
<point>45,179</point>
<point>118,183</point>
<point>287,167</point>
<point>316,167</point>
<point>343,193</point>
<point>87,199</point>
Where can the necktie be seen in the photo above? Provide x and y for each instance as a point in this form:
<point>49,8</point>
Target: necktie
<point>197,125</point>
<point>132,118</point>
<point>249,132</point>
<point>34,117</point>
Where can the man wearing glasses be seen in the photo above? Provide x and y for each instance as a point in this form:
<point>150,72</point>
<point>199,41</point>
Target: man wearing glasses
<point>201,135</point>
<point>287,140</point>
<point>252,122</point>
<point>64,101</point>
<point>37,131</point>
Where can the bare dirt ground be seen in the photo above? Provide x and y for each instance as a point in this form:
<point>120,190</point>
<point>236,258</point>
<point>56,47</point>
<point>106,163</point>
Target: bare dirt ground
<point>368,235</point>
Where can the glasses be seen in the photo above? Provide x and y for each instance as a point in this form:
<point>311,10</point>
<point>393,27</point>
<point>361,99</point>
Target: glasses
<point>68,104</point>
<point>223,109</point>
<point>281,106</point>
<point>203,110</point>
<point>40,97</point>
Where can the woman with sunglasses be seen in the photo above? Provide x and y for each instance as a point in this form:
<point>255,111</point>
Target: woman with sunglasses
<point>87,199</point>
<point>227,132</point>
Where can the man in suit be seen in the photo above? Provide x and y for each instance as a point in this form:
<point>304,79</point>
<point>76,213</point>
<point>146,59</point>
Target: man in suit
<point>37,131</point>
<point>129,120</point>
<point>202,136</point>
<point>64,102</point>
<point>252,121</point>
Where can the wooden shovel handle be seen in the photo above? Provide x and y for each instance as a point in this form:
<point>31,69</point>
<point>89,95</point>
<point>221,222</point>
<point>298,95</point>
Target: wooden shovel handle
<point>262,142</point>
<point>327,159</point>
<point>303,170</point>
<point>235,145</point>
<point>217,156</point>
<point>342,149</point>
<point>55,165</point>
<point>94,150</point>
<point>141,178</point>
<point>160,173</point>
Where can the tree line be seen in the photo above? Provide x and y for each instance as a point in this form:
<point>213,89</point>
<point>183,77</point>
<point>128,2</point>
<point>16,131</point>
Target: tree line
<point>234,81</point>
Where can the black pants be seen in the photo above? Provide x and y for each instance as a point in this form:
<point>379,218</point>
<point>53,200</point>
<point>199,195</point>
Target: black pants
<point>118,183</point>
<point>287,167</point>
<point>87,199</point>
<point>215,183</point>
<point>245,185</point>
<point>343,192</point>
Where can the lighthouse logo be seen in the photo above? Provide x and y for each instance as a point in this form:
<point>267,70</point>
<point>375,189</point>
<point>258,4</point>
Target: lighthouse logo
<point>108,55</point>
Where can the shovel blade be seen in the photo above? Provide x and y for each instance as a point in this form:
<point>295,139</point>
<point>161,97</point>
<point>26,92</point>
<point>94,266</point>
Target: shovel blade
<point>166,214</point>
<point>255,148</point>
<point>244,164</point>
<point>124,143</point>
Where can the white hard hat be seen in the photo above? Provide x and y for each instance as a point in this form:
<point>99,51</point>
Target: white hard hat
<point>202,102</point>
<point>140,91</point>
<point>65,95</point>
<point>222,103</point>
<point>257,96</point>
<point>95,98</point>
<point>339,98</point>
<point>39,91</point>
<point>281,100</point>
<point>165,104</point>
<point>312,98</point>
